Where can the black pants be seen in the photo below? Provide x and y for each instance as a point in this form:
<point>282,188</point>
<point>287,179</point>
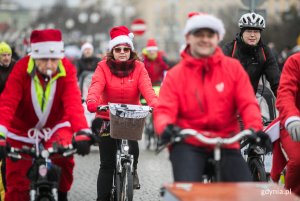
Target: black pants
<point>189,163</point>
<point>108,149</point>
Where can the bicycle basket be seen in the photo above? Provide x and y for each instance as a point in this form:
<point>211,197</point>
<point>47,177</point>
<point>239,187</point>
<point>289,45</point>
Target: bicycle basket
<point>127,121</point>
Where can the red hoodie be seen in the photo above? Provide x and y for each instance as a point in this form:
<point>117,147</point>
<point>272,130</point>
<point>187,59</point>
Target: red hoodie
<point>206,95</point>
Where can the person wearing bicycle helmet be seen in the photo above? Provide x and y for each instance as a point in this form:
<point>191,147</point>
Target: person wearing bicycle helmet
<point>41,105</point>
<point>120,78</point>
<point>204,91</point>
<point>256,57</point>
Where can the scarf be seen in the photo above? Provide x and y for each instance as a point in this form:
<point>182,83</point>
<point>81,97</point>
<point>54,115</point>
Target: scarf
<point>121,68</point>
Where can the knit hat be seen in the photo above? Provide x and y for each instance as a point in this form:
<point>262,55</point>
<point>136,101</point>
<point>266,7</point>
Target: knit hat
<point>120,35</point>
<point>86,45</point>
<point>202,20</point>
<point>5,48</point>
<point>151,44</point>
<point>46,43</point>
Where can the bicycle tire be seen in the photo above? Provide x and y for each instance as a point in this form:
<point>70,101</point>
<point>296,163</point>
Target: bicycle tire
<point>116,196</point>
<point>257,169</point>
<point>127,185</point>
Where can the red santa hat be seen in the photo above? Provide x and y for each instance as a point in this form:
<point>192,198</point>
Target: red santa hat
<point>151,44</point>
<point>199,20</point>
<point>120,35</point>
<point>46,44</point>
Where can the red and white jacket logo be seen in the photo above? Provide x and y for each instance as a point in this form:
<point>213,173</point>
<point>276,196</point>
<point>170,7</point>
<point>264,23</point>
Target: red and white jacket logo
<point>220,87</point>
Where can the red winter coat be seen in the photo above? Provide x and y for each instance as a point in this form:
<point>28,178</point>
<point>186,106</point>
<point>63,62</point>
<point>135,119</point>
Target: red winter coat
<point>205,95</point>
<point>17,111</point>
<point>156,67</point>
<point>108,88</point>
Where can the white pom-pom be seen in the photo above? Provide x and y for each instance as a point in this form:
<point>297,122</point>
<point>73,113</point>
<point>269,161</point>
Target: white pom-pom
<point>131,35</point>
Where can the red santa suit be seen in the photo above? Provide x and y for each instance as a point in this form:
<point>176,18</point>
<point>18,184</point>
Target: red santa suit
<point>288,105</point>
<point>29,103</point>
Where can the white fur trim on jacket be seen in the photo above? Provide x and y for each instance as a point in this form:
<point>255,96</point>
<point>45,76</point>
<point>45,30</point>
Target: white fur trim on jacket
<point>120,40</point>
<point>153,48</point>
<point>205,21</point>
<point>47,50</point>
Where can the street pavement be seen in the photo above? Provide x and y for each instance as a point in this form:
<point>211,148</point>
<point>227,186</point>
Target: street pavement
<point>153,170</point>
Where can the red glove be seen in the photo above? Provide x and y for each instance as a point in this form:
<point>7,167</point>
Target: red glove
<point>92,106</point>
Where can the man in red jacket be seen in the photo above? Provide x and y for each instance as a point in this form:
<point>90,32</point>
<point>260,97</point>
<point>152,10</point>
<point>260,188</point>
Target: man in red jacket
<point>41,97</point>
<point>205,91</point>
<point>288,105</point>
<point>155,62</point>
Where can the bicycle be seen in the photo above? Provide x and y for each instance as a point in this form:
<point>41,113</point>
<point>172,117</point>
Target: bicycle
<point>43,174</point>
<point>122,188</point>
<point>218,142</point>
<point>150,135</point>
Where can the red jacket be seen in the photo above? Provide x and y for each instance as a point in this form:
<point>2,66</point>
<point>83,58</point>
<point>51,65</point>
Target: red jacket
<point>288,105</point>
<point>19,102</point>
<point>206,94</point>
<point>108,88</point>
<point>156,67</point>
<point>288,100</point>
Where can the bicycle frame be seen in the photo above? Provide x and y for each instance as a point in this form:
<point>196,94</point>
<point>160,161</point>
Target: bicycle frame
<point>123,176</point>
<point>43,175</point>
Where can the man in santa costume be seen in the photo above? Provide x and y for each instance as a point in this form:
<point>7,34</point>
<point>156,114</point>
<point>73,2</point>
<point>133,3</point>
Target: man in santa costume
<point>155,62</point>
<point>41,104</point>
<point>288,105</point>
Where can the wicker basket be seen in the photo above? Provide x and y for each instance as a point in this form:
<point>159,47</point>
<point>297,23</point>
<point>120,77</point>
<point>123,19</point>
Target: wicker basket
<point>127,121</point>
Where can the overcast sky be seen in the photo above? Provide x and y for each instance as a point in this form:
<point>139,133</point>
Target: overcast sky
<point>39,3</point>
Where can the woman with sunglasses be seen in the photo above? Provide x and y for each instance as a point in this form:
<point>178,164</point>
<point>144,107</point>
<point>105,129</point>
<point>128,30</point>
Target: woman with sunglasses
<point>120,78</point>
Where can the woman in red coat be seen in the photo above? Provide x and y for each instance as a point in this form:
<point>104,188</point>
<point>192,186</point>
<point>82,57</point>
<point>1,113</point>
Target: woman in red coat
<point>120,78</point>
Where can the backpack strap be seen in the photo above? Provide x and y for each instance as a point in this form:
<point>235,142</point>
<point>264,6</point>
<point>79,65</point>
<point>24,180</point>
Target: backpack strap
<point>263,53</point>
<point>234,48</point>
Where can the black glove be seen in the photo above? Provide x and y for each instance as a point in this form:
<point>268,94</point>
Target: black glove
<point>96,125</point>
<point>264,141</point>
<point>168,134</point>
<point>2,148</point>
<point>82,141</point>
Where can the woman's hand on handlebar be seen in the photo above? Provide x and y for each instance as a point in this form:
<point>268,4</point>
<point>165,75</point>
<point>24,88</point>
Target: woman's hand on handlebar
<point>92,106</point>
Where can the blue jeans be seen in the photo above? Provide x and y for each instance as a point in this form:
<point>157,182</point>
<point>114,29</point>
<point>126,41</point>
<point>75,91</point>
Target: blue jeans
<point>189,163</point>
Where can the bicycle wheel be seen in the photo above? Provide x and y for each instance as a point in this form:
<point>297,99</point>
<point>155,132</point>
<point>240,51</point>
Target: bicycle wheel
<point>257,169</point>
<point>127,185</point>
<point>117,188</point>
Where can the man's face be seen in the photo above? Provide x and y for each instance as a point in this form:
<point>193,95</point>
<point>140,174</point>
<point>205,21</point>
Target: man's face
<point>152,54</point>
<point>5,59</point>
<point>251,36</point>
<point>203,42</point>
<point>88,52</point>
<point>47,64</point>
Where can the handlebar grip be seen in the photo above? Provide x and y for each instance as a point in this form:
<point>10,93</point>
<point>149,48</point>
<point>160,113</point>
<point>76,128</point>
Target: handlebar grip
<point>102,108</point>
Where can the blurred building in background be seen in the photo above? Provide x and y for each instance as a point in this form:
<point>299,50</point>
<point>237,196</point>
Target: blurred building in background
<point>91,20</point>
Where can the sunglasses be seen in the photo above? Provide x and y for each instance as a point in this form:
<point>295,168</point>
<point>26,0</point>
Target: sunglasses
<point>119,49</point>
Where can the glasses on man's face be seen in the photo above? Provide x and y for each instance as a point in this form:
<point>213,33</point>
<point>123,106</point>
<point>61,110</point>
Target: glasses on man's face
<point>120,49</point>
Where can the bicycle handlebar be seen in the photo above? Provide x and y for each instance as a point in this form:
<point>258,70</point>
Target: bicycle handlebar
<point>15,153</point>
<point>210,141</point>
<point>218,140</point>
<point>104,108</point>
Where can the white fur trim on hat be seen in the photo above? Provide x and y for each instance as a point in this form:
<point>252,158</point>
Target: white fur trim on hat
<point>86,46</point>
<point>49,49</point>
<point>152,48</point>
<point>205,21</point>
<point>120,40</point>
